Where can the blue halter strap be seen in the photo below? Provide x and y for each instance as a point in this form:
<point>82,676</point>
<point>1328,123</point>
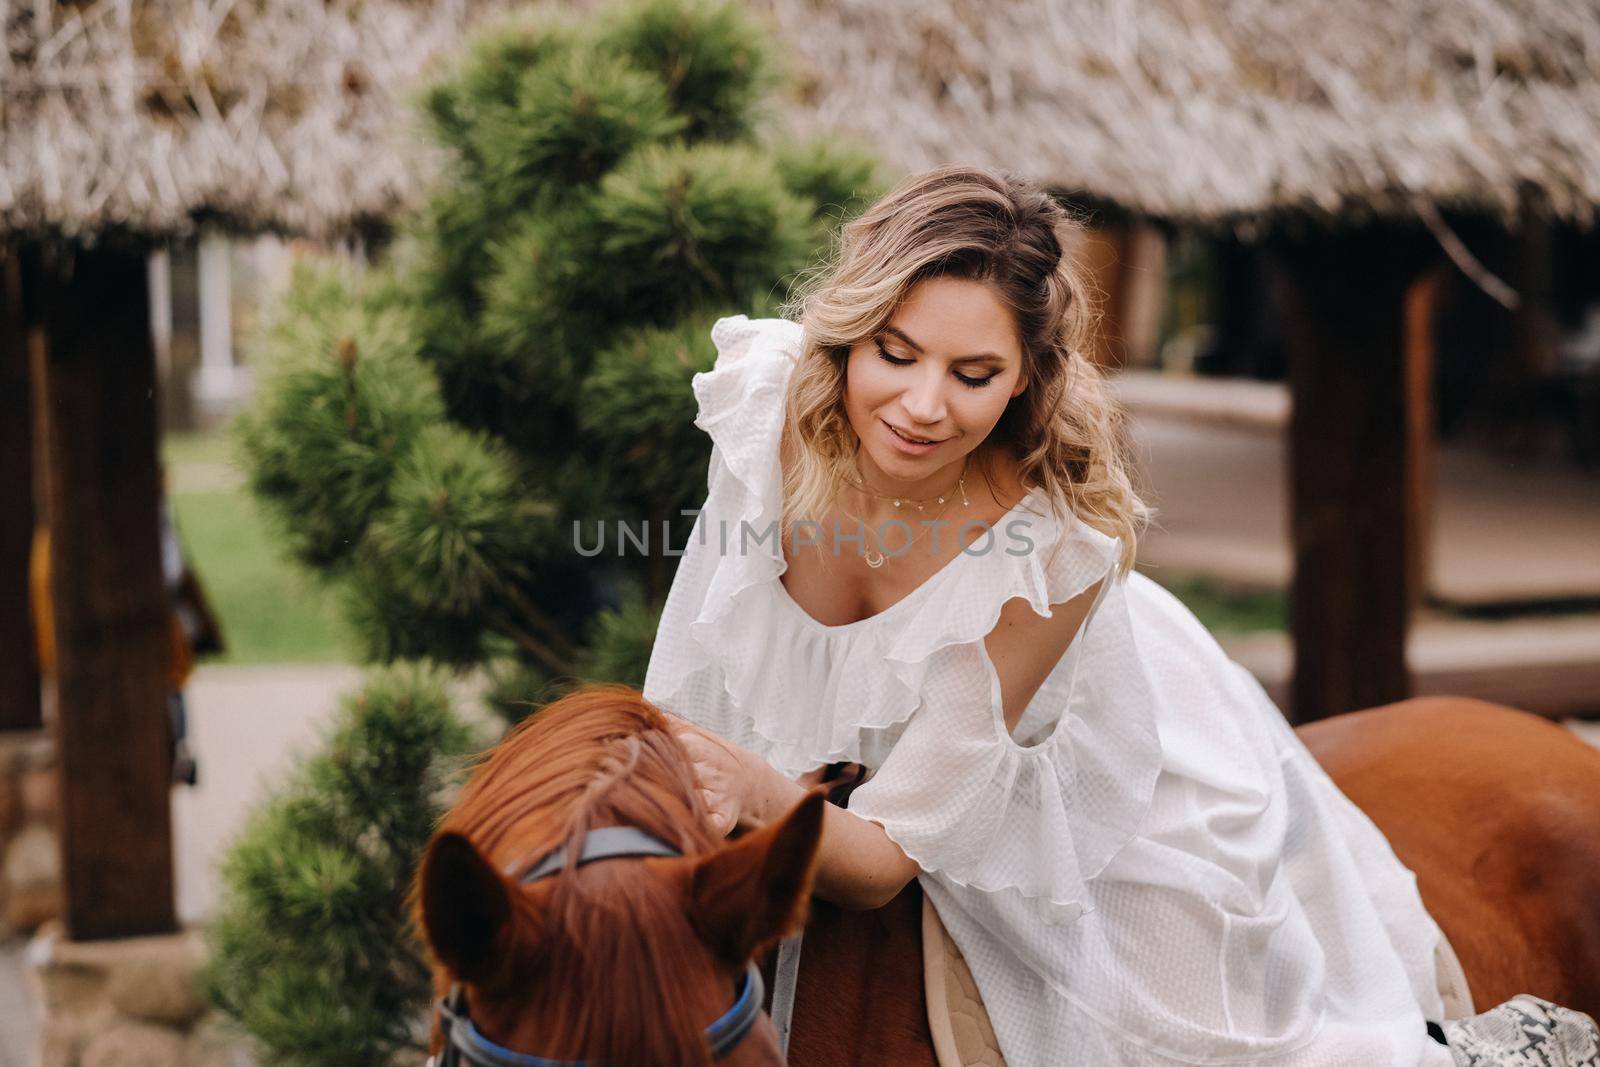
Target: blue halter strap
<point>464,1046</point>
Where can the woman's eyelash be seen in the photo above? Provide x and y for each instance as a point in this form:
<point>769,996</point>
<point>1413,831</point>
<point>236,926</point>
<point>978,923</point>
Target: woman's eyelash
<point>970,383</point>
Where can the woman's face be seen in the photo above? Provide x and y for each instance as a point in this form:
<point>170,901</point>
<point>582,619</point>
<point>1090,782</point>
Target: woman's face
<point>942,371</point>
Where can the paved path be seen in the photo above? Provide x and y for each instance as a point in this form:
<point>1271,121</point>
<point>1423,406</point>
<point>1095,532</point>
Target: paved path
<point>1503,530</point>
<point>1550,665</point>
<point>247,725</point>
<point>18,1015</point>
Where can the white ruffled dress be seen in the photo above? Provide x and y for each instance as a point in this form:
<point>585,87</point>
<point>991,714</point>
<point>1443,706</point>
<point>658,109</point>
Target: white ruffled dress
<point>1150,870</point>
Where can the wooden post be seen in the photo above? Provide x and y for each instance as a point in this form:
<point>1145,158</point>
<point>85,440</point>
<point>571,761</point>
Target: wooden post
<point>1104,252</point>
<point>19,668</point>
<point>1352,465</point>
<point>97,371</point>
<point>1422,300</point>
<point>1144,290</point>
<point>181,408</point>
<point>1535,329</point>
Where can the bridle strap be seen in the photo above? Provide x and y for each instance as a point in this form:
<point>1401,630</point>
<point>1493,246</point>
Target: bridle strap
<point>785,977</point>
<point>464,1045</point>
<point>606,843</point>
<point>786,971</point>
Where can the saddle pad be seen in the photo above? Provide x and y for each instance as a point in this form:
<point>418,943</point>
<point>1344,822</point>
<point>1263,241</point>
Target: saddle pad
<point>963,1036</point>
<point>1452,981</point>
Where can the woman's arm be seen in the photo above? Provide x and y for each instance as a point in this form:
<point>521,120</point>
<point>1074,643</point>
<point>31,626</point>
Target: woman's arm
<point>1025,647</point>
<point>858,865</point>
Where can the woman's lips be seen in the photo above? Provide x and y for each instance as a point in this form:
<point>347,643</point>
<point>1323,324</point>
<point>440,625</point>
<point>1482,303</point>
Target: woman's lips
<point>910,448</point>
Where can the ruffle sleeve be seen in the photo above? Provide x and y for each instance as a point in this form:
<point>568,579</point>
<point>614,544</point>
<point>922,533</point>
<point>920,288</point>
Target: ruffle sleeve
<point>741,402</point>
<point>729,556</point>
<point>910,692</point>
<point>972,806</point>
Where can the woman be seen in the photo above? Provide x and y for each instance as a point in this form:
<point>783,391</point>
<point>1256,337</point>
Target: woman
<point>915,555</point>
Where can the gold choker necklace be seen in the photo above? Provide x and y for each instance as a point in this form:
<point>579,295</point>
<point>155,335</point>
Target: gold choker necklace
<point>921,505</point>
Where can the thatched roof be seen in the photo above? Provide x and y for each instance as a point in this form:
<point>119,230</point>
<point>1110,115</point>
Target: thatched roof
<point>1211,109</point>
<point>288,114</point>
<point>284,115</point>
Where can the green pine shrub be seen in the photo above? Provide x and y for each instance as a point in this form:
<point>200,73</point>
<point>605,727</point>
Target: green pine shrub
<point>426,434</point>
<point>311,950</point>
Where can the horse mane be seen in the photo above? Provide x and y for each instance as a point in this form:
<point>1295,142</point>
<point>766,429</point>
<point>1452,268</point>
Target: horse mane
<point>606,953</point>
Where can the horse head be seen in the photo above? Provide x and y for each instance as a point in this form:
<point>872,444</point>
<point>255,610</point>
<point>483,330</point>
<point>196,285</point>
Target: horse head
<point>578,905</point>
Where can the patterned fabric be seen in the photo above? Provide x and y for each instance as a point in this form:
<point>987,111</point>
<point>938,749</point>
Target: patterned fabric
<point>1525,1031</point>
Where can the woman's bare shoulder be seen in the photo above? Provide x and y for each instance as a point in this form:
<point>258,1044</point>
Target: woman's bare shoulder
<point>999,476</point>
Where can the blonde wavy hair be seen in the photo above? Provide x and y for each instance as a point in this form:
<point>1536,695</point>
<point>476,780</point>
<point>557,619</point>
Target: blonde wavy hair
<point>1065,430</point>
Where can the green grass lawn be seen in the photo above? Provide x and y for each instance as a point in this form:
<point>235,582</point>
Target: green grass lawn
<point>270,609</point>
<point>1223,610</point>
<point>180,449</point>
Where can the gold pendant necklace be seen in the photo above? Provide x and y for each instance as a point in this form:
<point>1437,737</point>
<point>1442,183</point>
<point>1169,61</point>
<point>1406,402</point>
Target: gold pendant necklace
<point>877,559</point>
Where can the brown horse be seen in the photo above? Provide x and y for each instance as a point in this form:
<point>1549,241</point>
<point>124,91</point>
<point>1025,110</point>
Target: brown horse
<point>625,961</point>
<point>1497,812</point>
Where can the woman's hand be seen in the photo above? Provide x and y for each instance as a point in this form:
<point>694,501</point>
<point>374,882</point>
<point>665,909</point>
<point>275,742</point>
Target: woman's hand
<point>839,779</point>
<point>858,864</point>
<point>740,788</point>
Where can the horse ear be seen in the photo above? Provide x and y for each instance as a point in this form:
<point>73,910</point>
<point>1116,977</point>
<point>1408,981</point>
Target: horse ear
<point>466,908</point>
<point>756,890</point>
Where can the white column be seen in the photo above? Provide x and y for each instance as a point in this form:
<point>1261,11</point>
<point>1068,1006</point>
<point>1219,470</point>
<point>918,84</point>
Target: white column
<point>159,269</point>
<point>216,384</point>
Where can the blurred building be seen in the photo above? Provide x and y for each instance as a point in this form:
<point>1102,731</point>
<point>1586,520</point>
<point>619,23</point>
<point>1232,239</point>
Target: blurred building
<point>135,140</point>
<point>1351,248</point>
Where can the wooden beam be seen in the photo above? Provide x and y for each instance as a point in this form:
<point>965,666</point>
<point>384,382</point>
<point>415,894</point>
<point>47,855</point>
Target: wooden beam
<point>110,606</point>
<point>19,667</point>
<point>1144,293</point>
<point>1104,254</point>
<point>1421,309</point>
<point>1536,329</point>
<point>1352,464</point>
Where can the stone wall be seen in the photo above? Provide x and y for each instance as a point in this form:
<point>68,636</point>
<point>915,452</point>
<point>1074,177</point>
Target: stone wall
<point>133,1002</point>
<point>30,856</point>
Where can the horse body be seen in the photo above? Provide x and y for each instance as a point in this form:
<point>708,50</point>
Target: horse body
<point>1497,812</point>
<point>859,1000</point>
